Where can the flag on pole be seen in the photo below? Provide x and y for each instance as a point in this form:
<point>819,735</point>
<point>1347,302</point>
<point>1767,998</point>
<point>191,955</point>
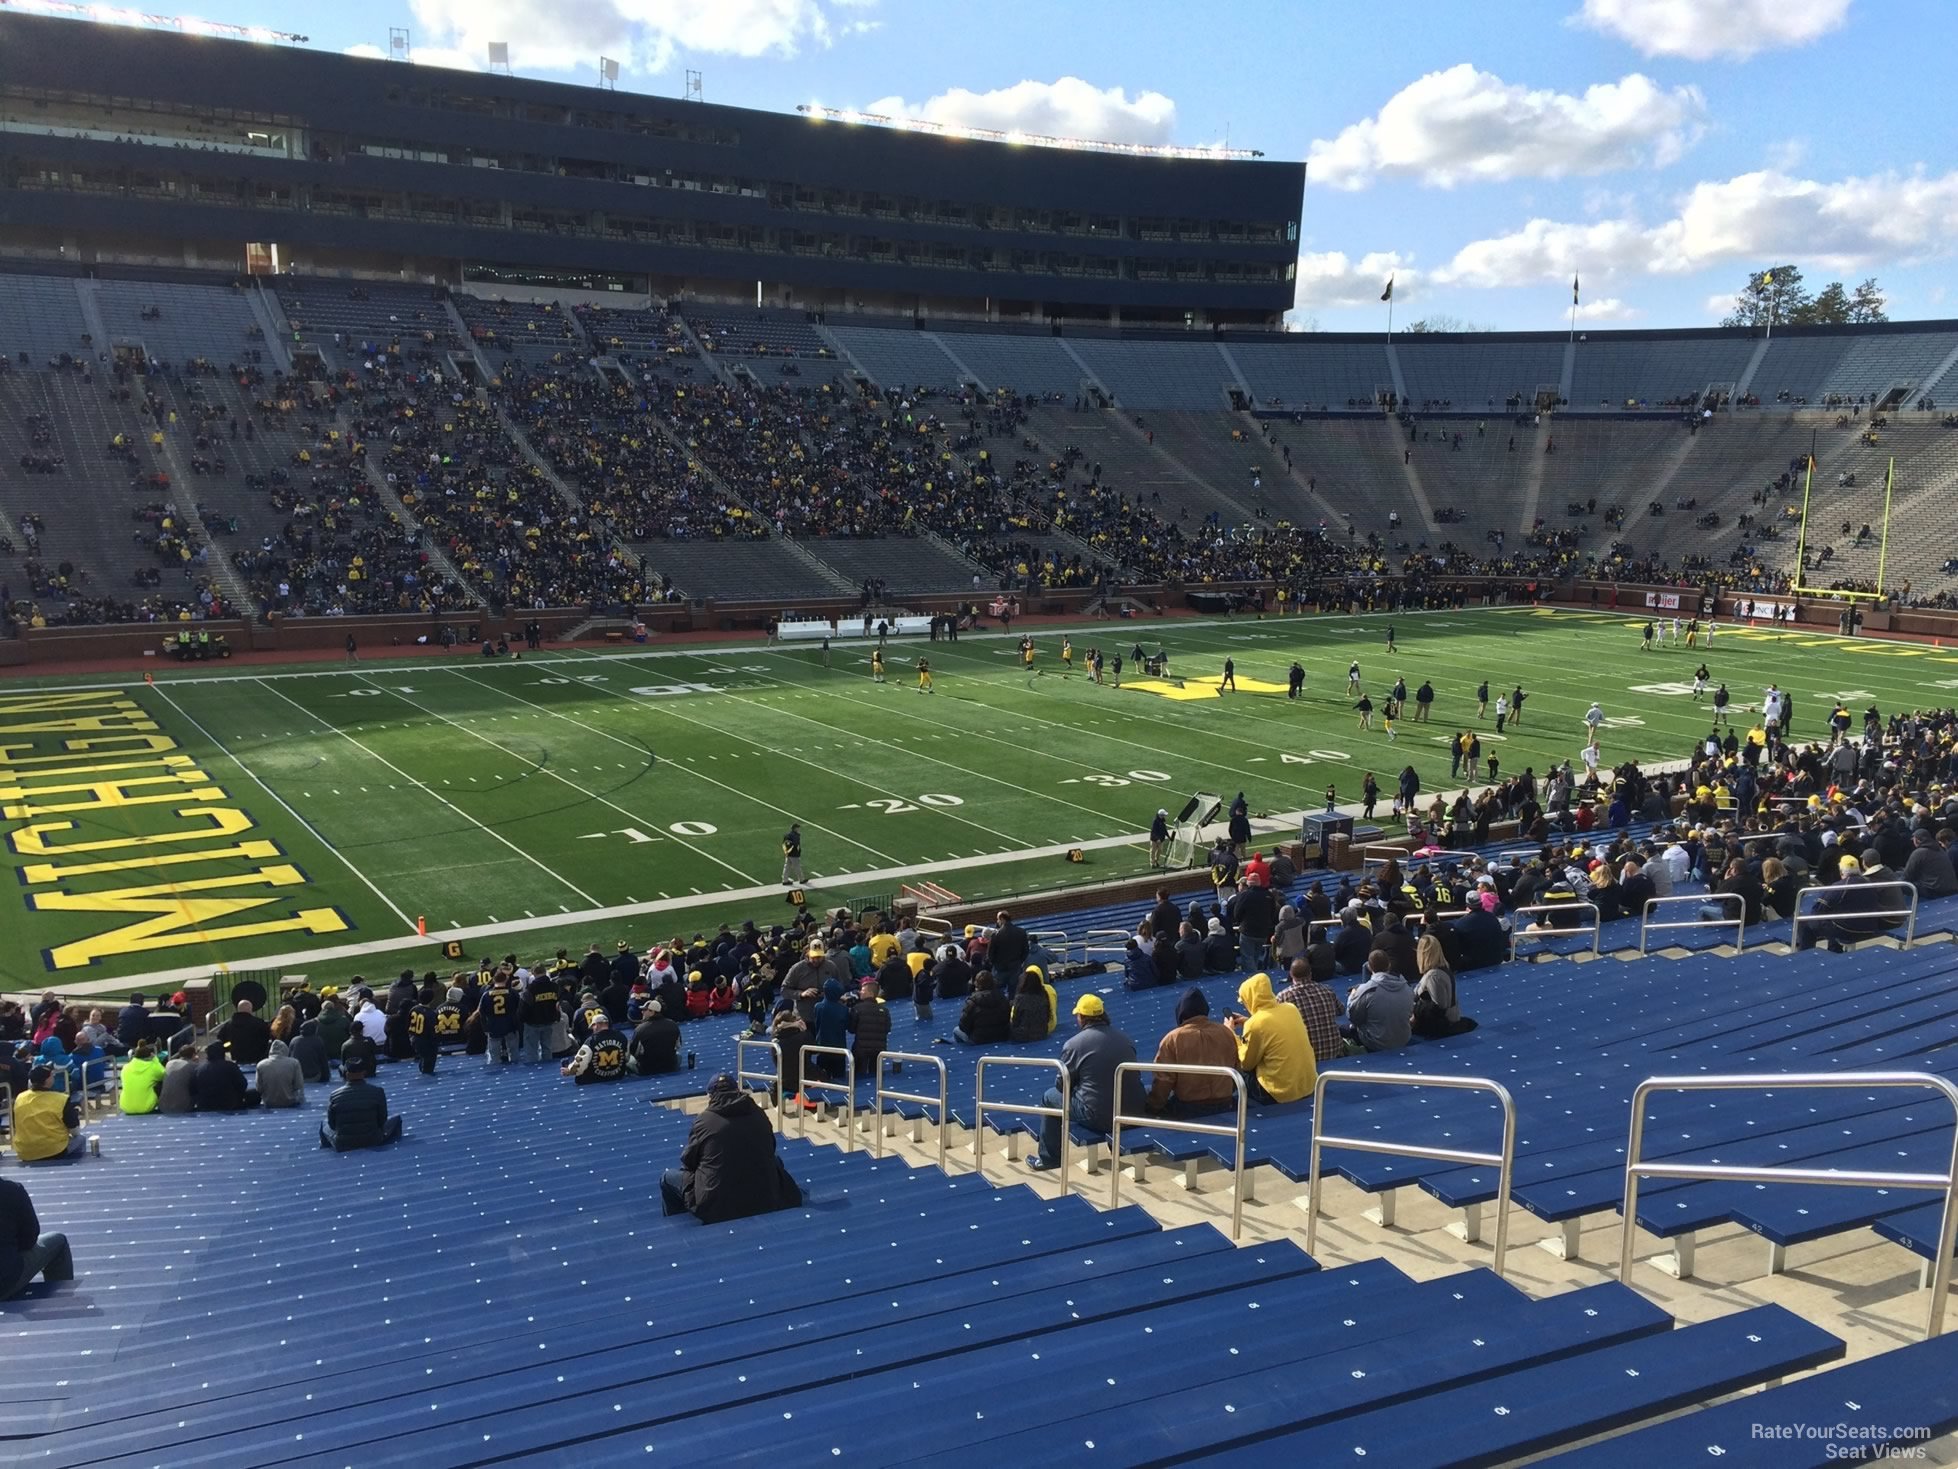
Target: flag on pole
<point>1573,290</point>
<point>1388,294</point>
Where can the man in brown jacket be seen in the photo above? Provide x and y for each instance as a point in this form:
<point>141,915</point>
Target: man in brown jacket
<point>1197,1040</point>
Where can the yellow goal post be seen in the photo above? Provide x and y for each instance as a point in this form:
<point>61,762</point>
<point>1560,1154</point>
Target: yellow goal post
<point>1883,547</point>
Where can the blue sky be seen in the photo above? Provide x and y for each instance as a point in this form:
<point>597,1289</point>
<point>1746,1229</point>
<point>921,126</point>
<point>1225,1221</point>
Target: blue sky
<point>1659,148</point>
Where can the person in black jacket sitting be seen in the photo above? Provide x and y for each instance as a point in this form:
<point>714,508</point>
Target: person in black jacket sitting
<point>310,1052</point>
<point>360,1051</point>
<point>728,1169</point>
<point>218,1085</point>
<point>25,1252</point>
<point>1477,940</point>
<point>1352,940</point>
<point>985,1020</point>
<point>655,1048</point>
<point>357,1113</point>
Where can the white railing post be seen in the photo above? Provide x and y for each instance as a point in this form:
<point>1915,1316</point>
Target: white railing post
<point>1946,1183</point>
<point>1738,923</point>
<point>980,1107</point>
<point>848,1087</point>
<point>1504,1160</point>
<point>941,1101</point>
<point>1177,1124</point>
<point>742,1075</point>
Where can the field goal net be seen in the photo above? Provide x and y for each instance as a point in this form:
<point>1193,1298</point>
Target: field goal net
<point>1186,836</point>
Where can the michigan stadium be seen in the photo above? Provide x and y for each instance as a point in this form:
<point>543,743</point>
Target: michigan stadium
<point>1173,870</point>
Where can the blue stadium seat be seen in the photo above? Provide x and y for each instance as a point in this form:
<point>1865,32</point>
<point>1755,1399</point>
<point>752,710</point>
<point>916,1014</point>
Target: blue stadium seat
<point>1914,1388</point>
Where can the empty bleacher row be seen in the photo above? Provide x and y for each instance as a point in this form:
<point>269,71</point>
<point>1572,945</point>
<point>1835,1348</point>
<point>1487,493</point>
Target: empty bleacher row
<point>178,324</point>
<point>1621,372</point>
<point>540,338</point>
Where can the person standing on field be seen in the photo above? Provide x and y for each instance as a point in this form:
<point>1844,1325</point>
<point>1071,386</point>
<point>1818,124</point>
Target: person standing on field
<point>792,855</point>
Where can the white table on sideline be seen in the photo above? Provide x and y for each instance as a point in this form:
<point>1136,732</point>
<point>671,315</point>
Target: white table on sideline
<point>814,629</point>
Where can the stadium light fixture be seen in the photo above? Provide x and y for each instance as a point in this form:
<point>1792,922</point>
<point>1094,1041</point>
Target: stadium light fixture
<point>189,25</point>
<point>817,113</point>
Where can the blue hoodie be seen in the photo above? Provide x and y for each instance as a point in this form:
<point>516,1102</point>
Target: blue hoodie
<point>829,1020</point>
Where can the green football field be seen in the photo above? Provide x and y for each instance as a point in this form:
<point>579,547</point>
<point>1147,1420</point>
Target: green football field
<point>306,819</point>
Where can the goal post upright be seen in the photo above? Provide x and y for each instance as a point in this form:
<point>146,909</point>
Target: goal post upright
<point>1801,531</point>
<point>1883,550</point>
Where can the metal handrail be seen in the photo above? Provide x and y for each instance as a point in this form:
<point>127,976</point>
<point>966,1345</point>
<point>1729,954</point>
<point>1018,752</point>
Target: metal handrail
<point>1637,1168</point>
<point>1120,946</point>
<point>1909,915</point>
<point>1597,923</point>
<point>1738,923</point>
<point>1421,916</point>
<point>848,1088</point>
<point>1505,1161</point>
<point>1316,926</point>
<point>1407,857</point>
<point>1177,1124</point>
<point>942,1101</point>
<point>742,1075</point>
<point>1056,941</point>
<point>980,1107</point>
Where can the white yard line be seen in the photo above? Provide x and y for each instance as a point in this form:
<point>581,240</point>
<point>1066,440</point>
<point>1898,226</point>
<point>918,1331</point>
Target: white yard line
<point>668,712</point>
<point>345,861</point>
<point>543,769</point>
<point>431,791</point>
<point>921,755</point>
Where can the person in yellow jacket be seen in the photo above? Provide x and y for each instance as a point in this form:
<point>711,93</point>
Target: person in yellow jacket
<point>1272,1048</point>
<point>47,1123</point>
<point>142,1074</point>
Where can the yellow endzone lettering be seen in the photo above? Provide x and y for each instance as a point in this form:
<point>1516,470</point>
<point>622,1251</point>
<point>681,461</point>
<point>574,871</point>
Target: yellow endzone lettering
<point>161,762</point>
<point>111,796</point>
<point>179,916</point>
<point>54,703</point>
<point>226,821</point>
<point>118,744</point>
<point>94,724</point>
<point>37,873</point>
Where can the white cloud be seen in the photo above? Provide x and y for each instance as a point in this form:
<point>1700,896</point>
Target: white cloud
<point>446,56</point>
<point>1727,28</point>
<point>1847,224</point>
<point>1464,125</point>
<point>1545,249</point>
<point>1719,304</point>
<point>1330,278</point>
<point>1607,308</point>
<point>642,35</point>
<point>1067,108</point>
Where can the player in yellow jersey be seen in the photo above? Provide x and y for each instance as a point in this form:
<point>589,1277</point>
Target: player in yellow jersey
<point>924,675</point>
<point>1067,654</point>
<point>877,665</point>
